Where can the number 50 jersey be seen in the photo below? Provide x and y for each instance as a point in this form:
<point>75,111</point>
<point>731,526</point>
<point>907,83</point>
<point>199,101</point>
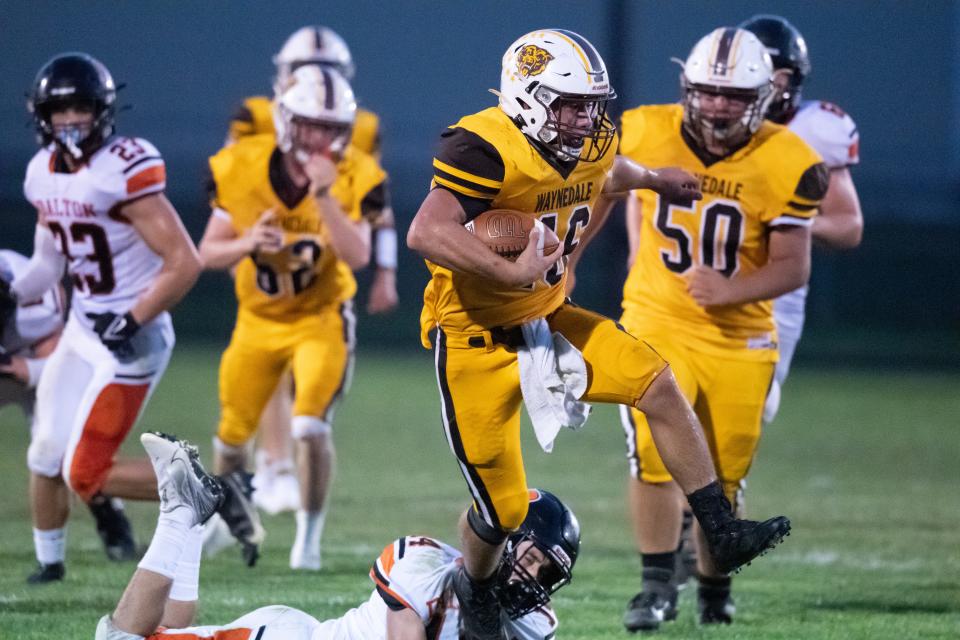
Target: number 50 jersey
<point>305,275</point>
<point>108,261</point>
<point>774,180</point>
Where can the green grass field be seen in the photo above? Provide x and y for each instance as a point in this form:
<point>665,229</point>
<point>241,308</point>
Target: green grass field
<point>866,465</point>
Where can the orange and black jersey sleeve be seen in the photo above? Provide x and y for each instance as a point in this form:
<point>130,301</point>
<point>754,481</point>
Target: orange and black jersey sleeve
<point>470,168</point>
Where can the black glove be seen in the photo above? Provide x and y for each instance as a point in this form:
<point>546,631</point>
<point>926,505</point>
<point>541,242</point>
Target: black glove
<point>115,331</point>
<point>8,303</point>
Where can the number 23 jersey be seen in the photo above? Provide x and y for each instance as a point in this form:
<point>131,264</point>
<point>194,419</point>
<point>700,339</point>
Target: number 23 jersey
<point>774,180</point>
<point>107,259</point>
<point>305,275</point>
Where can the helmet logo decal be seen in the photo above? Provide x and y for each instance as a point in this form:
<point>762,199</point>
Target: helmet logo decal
<point>532,60</point>
<point>726,46</point>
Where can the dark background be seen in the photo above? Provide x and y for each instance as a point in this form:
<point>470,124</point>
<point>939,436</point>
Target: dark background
<point>894,66</point>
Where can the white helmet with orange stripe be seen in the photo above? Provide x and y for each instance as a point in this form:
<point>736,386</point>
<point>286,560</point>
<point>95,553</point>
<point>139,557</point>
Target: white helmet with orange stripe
<point>548,75</point>
<point>733,64</point>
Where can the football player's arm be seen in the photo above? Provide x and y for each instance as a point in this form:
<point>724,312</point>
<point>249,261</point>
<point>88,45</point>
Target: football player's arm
<point>27,369</point>
<point>383,289</point>
<point>405,624</point>
<point>44,269</point>
<point>673,183</point>
<point>157,222</point>
<point>222,247</point>
<point>840,223</point>
<point>437,233</point>
<point>350,239</point>
<point>598,217</point>
<point>787,268</point>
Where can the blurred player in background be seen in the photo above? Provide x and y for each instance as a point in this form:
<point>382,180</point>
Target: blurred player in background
<point>275,481</point>
<point>292,212</point>
<point>28,335</point>
<point>102,215</point>
<point>833,134</point>
<point>549,151</point>
<point>413,598</point>
<point>701,284</point>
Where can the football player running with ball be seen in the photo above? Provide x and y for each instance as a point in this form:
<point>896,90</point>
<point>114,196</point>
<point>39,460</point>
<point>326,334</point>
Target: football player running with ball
<point>413,599</point>
<point>103,217</point>
<point>700,289</point>
<point>833,134</point>
<point>292,213</point>
<point>320,46</point>
<point>548,150</point>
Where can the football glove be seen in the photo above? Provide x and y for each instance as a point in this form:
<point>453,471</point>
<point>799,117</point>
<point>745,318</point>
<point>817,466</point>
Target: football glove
<point>115,331</point>
<point>8,303</point>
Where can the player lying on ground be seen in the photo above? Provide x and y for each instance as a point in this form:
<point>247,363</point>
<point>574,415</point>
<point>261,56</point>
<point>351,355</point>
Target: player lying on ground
<point>413,575</point>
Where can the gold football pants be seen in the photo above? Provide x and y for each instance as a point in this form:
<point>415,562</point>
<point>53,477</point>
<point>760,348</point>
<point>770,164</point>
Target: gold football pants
<point>317,348</point>
<point>479,383</point>
<point>727,395</point>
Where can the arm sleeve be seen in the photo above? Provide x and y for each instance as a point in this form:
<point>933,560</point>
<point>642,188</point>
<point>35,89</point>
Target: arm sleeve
<point>44,269</point>
<point>470,168</point>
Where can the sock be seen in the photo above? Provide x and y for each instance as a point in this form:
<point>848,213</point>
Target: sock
<point>167,545</point>
<point>711,507</point>
<point>309,529</point>
<point>714,588</point>
<point>186,582</point>
<point>658,571</point>
<point>50,545</point>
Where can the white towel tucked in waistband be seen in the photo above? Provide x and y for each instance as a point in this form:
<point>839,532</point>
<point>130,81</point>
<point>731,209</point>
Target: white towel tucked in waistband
<point>553,376</point>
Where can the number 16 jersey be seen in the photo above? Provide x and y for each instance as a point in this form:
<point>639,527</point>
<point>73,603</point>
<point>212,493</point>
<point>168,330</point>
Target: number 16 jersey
<point>774,180</point>
<point>107,259</point>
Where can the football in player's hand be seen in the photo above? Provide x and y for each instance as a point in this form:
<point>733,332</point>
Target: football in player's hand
<point>507,232</point>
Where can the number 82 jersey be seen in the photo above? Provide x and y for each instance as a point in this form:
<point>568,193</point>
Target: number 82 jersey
<point>305,275</point>
<point>107,259</point>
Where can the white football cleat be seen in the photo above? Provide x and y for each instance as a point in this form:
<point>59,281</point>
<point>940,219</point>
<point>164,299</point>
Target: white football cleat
<point>181,480</point>
<point>276,492</point>
<point>302,558</point>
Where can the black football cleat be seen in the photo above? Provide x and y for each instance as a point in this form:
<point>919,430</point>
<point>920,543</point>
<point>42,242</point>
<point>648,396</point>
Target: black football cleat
<point>480,609</point>
<point>114,528</point>
<point>240,514</point>
<point>649,609</point>
<point>737,542</point>
<point>716,611</point>
<point>45,573</point>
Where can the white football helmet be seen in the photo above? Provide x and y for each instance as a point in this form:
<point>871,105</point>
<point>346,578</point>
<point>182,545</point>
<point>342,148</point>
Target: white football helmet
<point>546,70</point>
<point>314,113</point>
<point>315,45</point>
<point>734,63</point>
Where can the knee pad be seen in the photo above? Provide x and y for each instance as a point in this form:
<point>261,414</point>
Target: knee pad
<point>772,404</point>
<point>305,426</point>
<point>44,457</point>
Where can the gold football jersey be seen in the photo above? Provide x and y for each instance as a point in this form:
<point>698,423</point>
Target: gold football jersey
<point>305,275</point>
<point>488,160</point>
<point>255,117</point>
<point>775,179</point>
